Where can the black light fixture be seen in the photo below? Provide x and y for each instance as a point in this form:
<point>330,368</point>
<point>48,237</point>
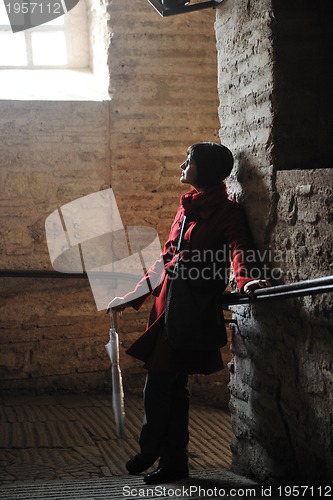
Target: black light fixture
<point>172,7</point>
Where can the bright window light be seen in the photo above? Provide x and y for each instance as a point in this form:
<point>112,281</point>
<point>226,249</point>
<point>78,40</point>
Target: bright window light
<point>42,46</point>
<point>49,49</point>
<point>60,43</point>
<point>3,15</point>
<point>17,55</point>
<point>58,21</point>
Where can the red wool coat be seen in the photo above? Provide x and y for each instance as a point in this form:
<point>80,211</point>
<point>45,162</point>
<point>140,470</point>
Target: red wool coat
<point>216,235</point>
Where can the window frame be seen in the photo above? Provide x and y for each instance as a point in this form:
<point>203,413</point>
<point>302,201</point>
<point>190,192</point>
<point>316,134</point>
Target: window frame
<point>65,28</point>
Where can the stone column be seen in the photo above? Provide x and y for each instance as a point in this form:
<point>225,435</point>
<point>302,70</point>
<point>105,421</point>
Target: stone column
<point>275,110</point>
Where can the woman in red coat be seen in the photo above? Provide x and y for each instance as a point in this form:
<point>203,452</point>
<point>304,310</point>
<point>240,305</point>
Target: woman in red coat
<point>215,234</point>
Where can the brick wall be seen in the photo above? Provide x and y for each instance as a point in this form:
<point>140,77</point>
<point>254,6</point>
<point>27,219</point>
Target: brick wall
<point>281,374</point>
<point>163,85</point>
<point>51,153</point>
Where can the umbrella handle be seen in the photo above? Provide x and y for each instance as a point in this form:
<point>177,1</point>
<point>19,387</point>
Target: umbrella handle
<point>113,319</point>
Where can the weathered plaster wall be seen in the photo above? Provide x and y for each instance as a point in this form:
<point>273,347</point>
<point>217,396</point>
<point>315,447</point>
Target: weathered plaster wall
<point>281,374</point>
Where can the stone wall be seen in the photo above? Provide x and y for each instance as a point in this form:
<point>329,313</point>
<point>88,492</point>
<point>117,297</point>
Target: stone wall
<point>245,84</point>
<point>281,373</point>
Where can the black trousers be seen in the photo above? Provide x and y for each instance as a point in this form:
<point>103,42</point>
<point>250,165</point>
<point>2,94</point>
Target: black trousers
<point>164,432</point>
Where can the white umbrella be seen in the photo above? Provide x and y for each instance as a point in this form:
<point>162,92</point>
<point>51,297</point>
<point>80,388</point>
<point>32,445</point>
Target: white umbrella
<point>112,348</point>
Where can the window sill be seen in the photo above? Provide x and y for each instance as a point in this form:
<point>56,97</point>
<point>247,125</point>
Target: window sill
<point>51,85</point>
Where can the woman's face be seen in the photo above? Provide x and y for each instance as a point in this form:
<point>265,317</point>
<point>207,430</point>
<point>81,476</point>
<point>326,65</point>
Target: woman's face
<point>189,173</point>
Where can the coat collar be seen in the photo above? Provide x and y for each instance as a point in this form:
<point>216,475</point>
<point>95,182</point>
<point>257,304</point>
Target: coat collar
<point>201,204</point>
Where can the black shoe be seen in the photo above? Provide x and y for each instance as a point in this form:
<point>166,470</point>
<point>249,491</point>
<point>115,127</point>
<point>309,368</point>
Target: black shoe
<point>164,475</point>
<point>140,463</point>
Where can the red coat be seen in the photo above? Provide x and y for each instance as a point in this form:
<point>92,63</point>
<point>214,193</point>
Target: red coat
<point>216,234</point>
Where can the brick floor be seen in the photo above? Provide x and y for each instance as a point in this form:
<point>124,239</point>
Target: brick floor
<point>73,437</point>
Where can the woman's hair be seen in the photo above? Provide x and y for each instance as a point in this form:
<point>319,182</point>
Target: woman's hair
<point>214,162</point>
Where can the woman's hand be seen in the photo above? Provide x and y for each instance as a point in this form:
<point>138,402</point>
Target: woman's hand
<point>250,286</point>
<point>117,305</point>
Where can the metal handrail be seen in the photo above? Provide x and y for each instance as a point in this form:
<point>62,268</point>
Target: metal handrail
<point>38,273</point>
<point>287,291</point>
<point>41,273</point>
